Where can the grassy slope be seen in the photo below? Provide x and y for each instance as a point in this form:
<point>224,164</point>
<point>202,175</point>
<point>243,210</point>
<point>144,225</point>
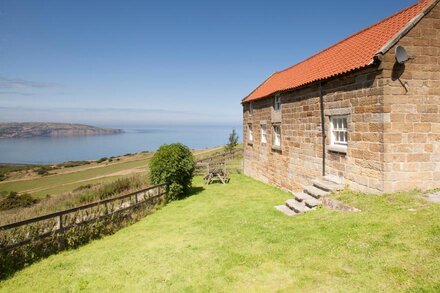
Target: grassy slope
<point>230,238</point>
<point>69,179</point>
<point>61,179</point>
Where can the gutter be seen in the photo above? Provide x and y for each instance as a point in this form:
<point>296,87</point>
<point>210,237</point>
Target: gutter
<point>321,101</point>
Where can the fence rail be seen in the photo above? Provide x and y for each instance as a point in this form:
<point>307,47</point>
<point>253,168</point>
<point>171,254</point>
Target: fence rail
<point>43,226</point>
<point>225,156</point>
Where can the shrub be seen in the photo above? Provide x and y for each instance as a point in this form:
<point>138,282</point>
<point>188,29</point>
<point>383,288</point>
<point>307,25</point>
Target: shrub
<point>44,170</point>
<point>232,141</point>
<point>72,164</point>
<point>83,187</point>
<point>173,165</point>
<point>102,160</point>
<point>113,188</point>
<point>2,177</point>
<point>14,200</point>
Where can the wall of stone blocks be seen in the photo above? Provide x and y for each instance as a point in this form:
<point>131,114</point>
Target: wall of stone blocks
<point>412,99</point>
<point>300,159</point>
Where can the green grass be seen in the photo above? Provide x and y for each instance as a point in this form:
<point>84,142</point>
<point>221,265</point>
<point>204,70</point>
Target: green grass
<point>64,182</point>
<point>60,183</point>
<point>229,238</point>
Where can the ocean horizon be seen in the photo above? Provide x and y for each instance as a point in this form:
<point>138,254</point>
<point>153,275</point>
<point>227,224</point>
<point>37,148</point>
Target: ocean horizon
<point>49,150</point>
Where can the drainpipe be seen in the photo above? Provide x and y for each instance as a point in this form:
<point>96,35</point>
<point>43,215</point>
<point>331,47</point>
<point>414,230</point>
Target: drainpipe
<point>321,101</point>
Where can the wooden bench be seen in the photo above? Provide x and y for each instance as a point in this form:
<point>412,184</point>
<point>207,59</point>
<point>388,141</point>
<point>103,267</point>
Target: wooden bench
<point>216,175</point>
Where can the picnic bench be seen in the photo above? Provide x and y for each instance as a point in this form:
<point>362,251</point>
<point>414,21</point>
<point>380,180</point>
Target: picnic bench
<point>216,174</point>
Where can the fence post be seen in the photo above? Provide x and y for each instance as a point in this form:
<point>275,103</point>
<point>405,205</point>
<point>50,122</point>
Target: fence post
<point>59,222</point>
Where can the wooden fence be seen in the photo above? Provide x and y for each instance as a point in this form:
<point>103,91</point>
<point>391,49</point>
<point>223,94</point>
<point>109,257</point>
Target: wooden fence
<point>219,161</point>
<point>225,156</point>
<point>23,232</point>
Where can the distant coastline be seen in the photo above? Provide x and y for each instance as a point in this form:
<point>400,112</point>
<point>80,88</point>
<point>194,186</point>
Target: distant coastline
<point>44,129</point>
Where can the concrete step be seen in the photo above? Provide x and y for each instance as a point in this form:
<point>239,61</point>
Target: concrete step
<point>286,210</point>
<point>309,200</point>
<point>335,179</point>
<point>326,185</point>
<point>315,192</point>
<point>298,207</point>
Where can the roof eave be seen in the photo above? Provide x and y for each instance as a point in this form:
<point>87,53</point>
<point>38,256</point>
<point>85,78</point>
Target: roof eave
<point>373,61</point>
<point>410,25</point>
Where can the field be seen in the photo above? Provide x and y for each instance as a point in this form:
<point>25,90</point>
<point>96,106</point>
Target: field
<point>67,179</point>
<point>229,238</point>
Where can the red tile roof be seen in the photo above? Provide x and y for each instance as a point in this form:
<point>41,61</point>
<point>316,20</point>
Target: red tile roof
<point>354,52</point>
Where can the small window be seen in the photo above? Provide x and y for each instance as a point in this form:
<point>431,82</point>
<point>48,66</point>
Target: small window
<point>338,128</point>
<point>263,133</point>
<point>277,103</point>
<point>251,108</point>
<point>250,133</point>
<point>276,137</point>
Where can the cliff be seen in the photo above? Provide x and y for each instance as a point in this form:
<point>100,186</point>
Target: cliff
<point>33,129</point>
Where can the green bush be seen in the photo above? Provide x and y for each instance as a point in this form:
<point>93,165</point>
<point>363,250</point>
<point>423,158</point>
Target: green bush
<point>102,160</point>
<point>14,200</point>
<point>173,165</point>
<point>72,164</point>
<point>232,141</point>
<point>117,187</point>
<point>114,188</point>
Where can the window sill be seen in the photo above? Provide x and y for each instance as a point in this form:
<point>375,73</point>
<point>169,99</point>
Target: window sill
<point>338,149</point>
<point>276,148</point>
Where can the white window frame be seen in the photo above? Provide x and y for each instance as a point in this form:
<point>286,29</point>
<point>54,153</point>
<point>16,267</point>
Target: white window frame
<point>276,136</point>
<point>250,133</point>
<point>263,133</point>
<point>277,103</point>
<point>339,131</point>
<point>251,108</point>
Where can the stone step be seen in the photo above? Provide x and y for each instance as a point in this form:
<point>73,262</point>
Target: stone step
<point>286,210</point>
<point>335,179</point>
<point>325,185</point>
<point>298,207</point>
<point>315,192</point>
<point>309,200</point>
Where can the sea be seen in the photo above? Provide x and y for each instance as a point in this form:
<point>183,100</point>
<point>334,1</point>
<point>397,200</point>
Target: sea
<point>48,150</point>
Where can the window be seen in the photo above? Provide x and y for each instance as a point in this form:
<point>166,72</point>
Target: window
<point>250,133</point>
<point>251,108</point>
<point>338,128</point>
<point>276,137</point>
<point>263,133</point>
<point>277,103</point>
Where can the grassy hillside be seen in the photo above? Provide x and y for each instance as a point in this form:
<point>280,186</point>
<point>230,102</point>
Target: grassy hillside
<point>229,238</point>
<point>67,179</point>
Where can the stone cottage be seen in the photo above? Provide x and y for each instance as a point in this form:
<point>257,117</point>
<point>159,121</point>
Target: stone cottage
<point>365,111</point>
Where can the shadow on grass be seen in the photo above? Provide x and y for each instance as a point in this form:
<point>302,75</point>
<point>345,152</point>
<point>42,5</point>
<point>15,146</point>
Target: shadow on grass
<point>194,191</point>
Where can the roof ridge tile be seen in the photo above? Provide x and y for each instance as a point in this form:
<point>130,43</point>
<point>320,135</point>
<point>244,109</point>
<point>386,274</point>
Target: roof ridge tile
<point>361,47</point>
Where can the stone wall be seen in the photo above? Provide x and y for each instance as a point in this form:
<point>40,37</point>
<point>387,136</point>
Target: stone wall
<point>299,161</point>
<point>412,99</point>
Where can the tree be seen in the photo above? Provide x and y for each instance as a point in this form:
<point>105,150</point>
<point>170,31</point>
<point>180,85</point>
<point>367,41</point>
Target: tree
<point>232,141</point>
<point>173,165</point>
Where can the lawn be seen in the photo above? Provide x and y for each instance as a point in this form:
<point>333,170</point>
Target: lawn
<point>229,238</point>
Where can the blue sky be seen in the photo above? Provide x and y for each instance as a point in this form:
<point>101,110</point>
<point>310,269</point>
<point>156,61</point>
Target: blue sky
<point>161,62</point>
